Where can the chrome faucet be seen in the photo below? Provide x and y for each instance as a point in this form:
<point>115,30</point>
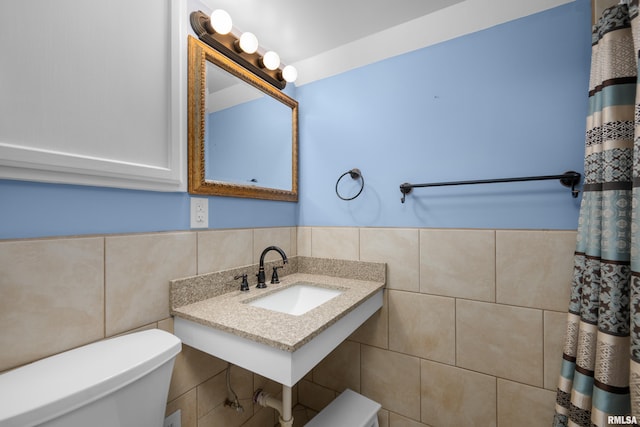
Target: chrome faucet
<point>261,278</point>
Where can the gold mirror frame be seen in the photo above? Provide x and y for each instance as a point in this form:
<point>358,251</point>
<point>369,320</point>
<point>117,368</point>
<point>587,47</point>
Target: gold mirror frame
<point>199,53</point>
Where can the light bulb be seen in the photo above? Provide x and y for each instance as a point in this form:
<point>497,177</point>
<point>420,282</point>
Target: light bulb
<point>221,21</point>
<point>271,60</point>
<point>289,73</point>
<point>248,42</point>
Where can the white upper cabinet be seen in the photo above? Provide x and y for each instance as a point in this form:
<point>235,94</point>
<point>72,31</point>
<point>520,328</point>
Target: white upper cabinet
<point>93,92</point>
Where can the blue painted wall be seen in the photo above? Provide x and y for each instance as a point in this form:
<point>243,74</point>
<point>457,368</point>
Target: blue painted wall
<point>31,209</point>
<point>507,101</point>
<point>504,102</point>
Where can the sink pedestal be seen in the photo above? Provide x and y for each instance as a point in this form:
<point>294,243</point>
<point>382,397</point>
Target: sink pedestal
<point>282,366</point>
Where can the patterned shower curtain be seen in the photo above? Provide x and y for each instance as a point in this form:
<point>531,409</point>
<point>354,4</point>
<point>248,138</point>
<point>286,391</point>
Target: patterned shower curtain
<point>599,383</point>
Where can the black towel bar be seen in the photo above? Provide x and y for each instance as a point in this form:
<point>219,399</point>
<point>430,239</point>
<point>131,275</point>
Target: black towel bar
<point>568,179</point>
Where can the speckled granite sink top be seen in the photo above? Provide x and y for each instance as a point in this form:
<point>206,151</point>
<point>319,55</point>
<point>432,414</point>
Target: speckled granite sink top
<point>215,300</point>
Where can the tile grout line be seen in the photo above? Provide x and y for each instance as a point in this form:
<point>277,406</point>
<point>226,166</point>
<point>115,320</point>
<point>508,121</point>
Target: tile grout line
<point>455,332</point>
<point>197,252</point>
<point>543,349</point>
<point>495,266</point>
<point>104,287</point>
<point>360,366</point>
<point>495,301</point>
<point>420,386</point>
<point>360,244</point>
<point>497,404</point>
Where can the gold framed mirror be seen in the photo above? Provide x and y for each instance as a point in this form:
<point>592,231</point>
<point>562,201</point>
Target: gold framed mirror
<point>242,132</point>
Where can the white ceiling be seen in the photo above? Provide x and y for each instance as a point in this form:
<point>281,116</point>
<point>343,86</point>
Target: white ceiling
<point>322,38</point>
<point>300,29</point>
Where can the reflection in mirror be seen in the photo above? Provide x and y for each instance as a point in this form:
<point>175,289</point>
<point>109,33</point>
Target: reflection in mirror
<point>243,132</point>
<point>247,133</point>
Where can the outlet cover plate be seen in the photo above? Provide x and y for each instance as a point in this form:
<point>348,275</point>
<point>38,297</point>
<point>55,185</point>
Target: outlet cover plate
<point>173,420</point>
<point>199,212</point>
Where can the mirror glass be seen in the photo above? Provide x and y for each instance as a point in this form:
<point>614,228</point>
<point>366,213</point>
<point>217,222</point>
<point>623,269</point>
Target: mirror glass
<point>242,131</point>
<point>247,133</point>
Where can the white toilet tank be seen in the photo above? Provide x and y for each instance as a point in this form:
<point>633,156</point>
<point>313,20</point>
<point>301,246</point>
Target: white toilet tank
<point>350,409</point>
<point>119,382</point>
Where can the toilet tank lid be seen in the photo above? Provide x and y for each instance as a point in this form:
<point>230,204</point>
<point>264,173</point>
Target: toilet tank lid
<point>53,386</point>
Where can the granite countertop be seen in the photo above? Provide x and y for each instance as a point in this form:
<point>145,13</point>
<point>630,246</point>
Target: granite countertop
<point>227,310</point>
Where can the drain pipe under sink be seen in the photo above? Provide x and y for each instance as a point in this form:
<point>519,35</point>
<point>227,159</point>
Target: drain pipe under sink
<point>282,406</point>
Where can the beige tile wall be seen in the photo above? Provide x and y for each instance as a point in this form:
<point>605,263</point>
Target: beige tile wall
<point>52,297</point>
<point>470,333</point>
<point>61,293</point>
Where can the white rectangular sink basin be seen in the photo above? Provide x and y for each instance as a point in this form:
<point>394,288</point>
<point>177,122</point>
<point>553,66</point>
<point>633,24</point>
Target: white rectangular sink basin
<point>296,299</point>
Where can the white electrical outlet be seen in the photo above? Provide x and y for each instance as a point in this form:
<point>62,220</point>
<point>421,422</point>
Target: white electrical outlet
<point>172,420</point>
<point>199,212</point>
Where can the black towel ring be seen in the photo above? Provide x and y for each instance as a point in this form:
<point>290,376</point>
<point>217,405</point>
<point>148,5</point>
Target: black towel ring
<point>355,174</point>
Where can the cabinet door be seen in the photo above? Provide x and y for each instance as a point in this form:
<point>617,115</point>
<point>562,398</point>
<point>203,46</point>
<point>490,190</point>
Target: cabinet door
<point>90,92</point>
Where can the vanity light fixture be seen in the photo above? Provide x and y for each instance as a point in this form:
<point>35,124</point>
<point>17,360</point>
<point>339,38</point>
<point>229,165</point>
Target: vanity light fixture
<point>271,60</point>
<point>221,22</point>
<point>216,31</point>
<point>289,73</point>
<point>248,43</point>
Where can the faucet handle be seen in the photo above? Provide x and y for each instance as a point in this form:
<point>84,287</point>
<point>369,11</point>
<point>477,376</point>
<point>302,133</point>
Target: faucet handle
<point>274,277</point>
<point>244,286</point>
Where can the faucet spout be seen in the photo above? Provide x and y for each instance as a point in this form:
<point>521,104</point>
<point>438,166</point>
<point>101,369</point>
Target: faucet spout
<point>261,276</point>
